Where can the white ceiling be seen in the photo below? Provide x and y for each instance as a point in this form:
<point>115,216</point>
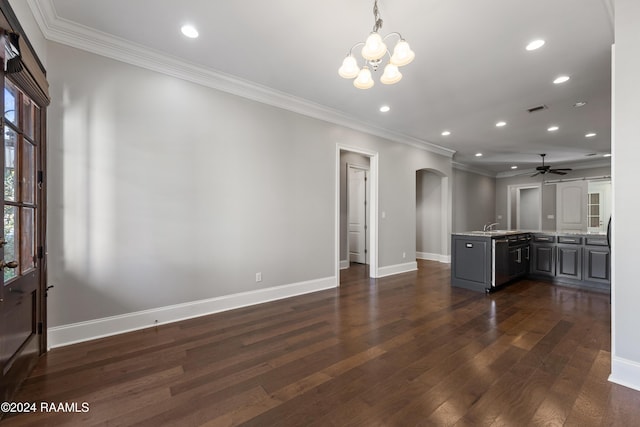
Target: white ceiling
<point>471,68</point>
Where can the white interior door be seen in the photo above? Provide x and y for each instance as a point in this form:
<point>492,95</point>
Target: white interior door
<point>357,214</point>
<point>571,206</point>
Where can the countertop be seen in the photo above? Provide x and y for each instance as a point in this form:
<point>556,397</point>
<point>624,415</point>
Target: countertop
<point>502,233</point>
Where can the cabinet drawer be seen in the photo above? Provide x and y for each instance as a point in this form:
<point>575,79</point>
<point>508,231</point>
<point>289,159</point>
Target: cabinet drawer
<point>597,241</point>
<point>572,240</point>
<point>544,239</point>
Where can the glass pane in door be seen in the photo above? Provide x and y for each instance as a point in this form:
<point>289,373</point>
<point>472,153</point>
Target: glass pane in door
<point>27,242</point>
<point>10,102</point>
<point>27,117</point>
<point>28,172</point>
<point>10,236</point>
<point>10,157</point>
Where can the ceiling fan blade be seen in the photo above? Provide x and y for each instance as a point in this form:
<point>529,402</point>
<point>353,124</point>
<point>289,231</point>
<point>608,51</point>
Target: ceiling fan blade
<point>557,172</point>
<point>563,169</point>
<point>536,174</point>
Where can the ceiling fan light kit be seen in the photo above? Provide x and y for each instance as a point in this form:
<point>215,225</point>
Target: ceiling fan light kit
<point>373,51</point>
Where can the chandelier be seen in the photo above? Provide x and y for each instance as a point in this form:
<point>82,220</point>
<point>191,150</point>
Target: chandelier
<point>373,52</point>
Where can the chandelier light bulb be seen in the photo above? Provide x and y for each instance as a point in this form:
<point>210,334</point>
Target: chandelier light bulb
<point>349,68</point>
<point>402,54</point>
<point>364,79</point>
<point>374,48</point>
<point>391,75</point>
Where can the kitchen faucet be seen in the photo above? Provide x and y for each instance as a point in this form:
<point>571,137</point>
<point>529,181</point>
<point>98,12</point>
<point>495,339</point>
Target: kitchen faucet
<point>489,227</point>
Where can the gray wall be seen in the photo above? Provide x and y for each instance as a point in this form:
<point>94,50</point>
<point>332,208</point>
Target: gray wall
<point>548,194</point>
<point>164,192</point>
<point>626,205</point>
<point>474,200</point>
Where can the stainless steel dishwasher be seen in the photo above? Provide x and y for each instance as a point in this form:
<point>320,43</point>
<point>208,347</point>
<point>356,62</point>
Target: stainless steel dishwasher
<point>499,261</point>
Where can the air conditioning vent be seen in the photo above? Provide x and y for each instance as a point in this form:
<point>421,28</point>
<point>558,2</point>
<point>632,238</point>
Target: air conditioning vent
<point>538,108</point>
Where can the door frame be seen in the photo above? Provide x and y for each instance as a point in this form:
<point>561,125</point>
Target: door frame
<point>33,82</point>
<point>24,359</point>
<point>373,209</point>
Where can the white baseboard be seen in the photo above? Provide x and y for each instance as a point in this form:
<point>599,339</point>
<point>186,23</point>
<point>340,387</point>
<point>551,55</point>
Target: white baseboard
<point>59,336</point>
<point>397,269</point>
<point>625,372</point>
<point>434,257</point>
<point>344,264</point>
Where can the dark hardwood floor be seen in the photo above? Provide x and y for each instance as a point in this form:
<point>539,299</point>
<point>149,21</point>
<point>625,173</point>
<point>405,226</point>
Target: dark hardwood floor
<point>399,351</point>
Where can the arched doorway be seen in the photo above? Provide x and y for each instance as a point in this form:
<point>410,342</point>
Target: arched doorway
<point>432,215</point>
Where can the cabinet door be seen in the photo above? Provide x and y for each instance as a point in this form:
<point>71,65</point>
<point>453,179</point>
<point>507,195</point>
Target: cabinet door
<point>597,264</point>
<point>472,260</point>
<point>569,262</point>
<point>543,260</point>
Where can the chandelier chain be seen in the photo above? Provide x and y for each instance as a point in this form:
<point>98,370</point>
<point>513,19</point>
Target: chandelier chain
<point>376,16</point>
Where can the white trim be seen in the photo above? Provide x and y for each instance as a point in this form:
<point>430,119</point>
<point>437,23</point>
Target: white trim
<point>433,257</point>
<point>84,331</point>
<point>390,270</point>
<point>625,372</point>
<point>344,264</point>
<point>72,34</point>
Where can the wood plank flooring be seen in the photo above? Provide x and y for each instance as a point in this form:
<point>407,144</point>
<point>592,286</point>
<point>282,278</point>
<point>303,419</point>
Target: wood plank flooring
<point>399,351</point>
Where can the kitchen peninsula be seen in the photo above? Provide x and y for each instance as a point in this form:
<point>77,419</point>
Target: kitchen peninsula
<point>486,260</point>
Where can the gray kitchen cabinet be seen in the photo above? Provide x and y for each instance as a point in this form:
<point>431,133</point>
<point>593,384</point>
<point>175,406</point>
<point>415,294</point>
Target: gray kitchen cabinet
<point>569,263</point>
<point>597,261</point>
<point>471,262</point>
<point>543,255</point>
<point>484,261</point>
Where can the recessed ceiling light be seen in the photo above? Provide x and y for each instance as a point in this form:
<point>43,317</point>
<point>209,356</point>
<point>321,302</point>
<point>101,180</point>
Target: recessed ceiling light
<point>561,79</point>
<point>514,167</point>
<point>500,124</point>
<point>580,104</point>
<point>553,128</point>
<point>607,155</point>
<point>189,31</point>
<point>478,154</point>
<point>445,133</point>
<point>384,108</point>
<point>535,44</point>
<point>590,135</point>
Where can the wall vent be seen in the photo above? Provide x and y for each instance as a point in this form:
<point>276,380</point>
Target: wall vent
<point>538,108</point>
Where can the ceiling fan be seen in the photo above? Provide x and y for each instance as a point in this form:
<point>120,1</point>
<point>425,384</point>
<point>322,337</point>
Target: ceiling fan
<point>541,170</point>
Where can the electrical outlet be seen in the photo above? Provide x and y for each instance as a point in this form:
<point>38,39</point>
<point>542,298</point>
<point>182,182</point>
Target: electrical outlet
<point>404,255</point>
<point>258,277</point>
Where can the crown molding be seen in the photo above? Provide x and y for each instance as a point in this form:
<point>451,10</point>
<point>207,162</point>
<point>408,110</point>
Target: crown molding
<point>60,30</point>
<point>467,168</point>
<point>611,13</point>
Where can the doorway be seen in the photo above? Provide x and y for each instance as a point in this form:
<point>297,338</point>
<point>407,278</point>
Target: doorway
<point>362,163</point>
<point>525,207</point>
<point>432,215</point>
